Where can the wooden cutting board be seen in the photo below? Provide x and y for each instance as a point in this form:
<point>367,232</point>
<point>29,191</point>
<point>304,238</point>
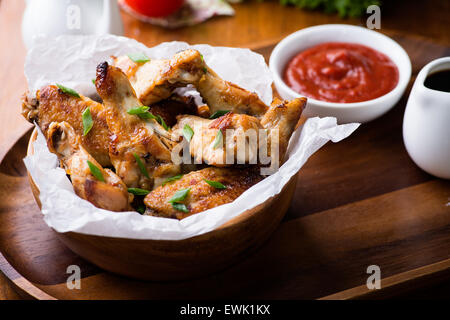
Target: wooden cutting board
<point>358,203</point>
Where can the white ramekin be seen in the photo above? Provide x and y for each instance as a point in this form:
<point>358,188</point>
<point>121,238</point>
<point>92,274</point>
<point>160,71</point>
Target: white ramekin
<point>344,112</point>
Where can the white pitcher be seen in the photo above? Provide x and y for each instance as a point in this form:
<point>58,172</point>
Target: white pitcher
<point>426,124</point>
<point>57,17</point>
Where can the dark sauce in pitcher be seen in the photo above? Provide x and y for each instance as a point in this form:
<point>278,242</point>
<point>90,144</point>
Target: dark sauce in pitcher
<point>438,81</point>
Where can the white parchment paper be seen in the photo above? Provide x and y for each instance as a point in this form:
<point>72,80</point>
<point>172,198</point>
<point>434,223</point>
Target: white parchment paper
<point>72,60</point>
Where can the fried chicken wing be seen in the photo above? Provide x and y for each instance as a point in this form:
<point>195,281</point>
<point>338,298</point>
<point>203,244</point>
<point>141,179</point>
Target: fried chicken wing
<point>110,194</point>
<point>53,105</point>
<point>243,143</point>
<point>236,143</point>
<point>136,142</point>
<point>222,95</point>
<point>281,120</point>
<point>155,80</point>
<point>201,196</point>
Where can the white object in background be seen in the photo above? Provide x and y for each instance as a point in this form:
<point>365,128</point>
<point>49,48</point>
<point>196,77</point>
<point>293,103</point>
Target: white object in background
<point>426,124</point>
<point>345,112</point>
<point>57,17</point>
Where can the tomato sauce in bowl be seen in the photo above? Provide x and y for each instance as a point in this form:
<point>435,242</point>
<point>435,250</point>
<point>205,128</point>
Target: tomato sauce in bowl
<point>341,72</point>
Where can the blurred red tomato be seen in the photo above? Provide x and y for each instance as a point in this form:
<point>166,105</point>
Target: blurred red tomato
<point>155,8</point>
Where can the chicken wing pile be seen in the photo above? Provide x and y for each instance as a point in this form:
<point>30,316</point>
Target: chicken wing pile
<point>145,148</point>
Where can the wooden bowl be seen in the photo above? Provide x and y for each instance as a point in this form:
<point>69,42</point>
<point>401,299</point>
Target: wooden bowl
<point>162,260</point>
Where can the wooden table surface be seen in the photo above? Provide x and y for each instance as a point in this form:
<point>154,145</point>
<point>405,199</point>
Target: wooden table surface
<point>254,24</point>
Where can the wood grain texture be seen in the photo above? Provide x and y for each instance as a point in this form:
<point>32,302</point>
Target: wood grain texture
<point>400,284</point>
<point>373,206</point>
<point>6,290</point>
<point>310,257</point>
<point>255,25</point>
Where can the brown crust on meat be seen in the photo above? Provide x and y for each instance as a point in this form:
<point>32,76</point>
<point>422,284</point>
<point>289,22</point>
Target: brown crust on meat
<point>55,106</point>
<point>202,196</point>
<point>224,122</point>
<point>104,87</point>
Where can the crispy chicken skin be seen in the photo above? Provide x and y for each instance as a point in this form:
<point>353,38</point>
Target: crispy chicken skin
<point>131,135</point>
<point>156,79</point>
<point>53,105</point>
<point>202,196</point>
<point>279,122</point>
<point>282,117</point>
<point>111,194</point>
<point>223,95</point>
<point>235,128</point>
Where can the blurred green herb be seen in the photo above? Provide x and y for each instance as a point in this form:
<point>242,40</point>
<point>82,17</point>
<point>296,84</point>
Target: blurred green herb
<point>143,113</point>
<point>138,191</point>
<point>68,90</point>
<point>141,166</point>
<point>139,57</point>
<point>180,195</point>
<point>218,140</point>
<point>162,122</point>
<point>174,178</point>
<point>219,114</point>
<point>141,208</point>
<point>188,132</point>
<point>96,172</point>
<point>345,8</point>
<point>180,207</point>
<point>88,123</point>
<point>215,184</point>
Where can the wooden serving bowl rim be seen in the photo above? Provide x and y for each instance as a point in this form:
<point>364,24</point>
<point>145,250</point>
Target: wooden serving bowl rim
<point>246,215</point>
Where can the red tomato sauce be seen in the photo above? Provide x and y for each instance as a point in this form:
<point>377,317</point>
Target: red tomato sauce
<point>341,72</point>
